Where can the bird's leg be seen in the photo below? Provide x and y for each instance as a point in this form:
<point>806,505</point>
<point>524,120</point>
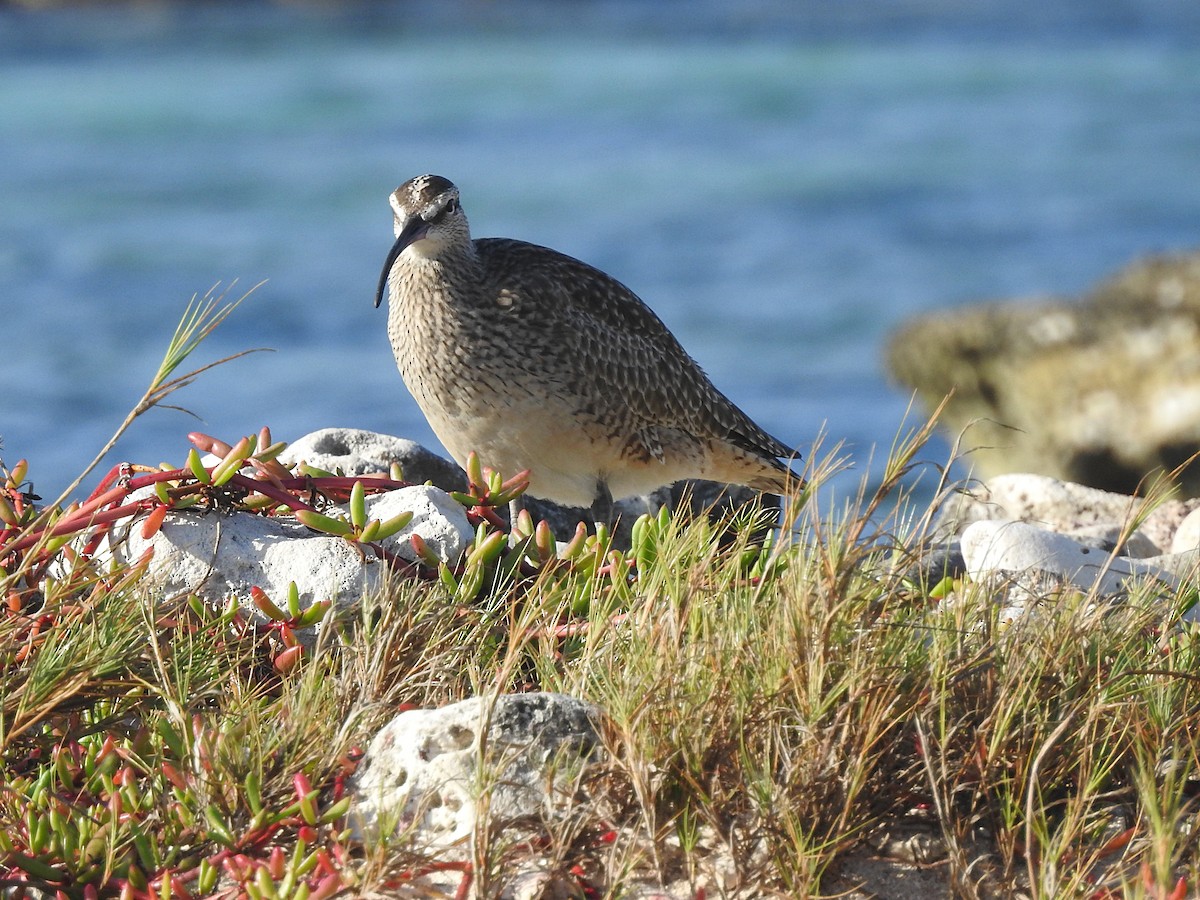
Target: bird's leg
<point>602,505</point>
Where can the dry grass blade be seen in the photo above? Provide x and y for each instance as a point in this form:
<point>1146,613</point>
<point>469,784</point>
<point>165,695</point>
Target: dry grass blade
<point>201,316</point>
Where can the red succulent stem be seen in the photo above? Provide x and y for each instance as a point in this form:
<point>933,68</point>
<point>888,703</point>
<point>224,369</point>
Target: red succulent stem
<point>93,512</point>
<point>402,566</point>
<point>114,473</point>
<point>78,521</point>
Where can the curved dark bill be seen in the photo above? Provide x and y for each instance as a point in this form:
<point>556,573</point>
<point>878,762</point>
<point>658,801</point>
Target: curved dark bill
<point>413,231</point>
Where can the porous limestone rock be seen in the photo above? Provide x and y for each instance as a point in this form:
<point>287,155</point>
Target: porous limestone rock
<point>1113,538</point>
<point>430,774</point>
<point>1016,550</point>
<point>1184,565</point>
<point>1099,392</point>
<point>1187,535</point>
<point>215,554</point>
<point>438,518</point>
<point>1066,508</point>
<point>358,452</point>
<point>1028,536</point>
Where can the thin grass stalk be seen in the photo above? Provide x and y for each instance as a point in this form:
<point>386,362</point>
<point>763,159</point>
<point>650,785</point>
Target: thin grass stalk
<point>200,318</point>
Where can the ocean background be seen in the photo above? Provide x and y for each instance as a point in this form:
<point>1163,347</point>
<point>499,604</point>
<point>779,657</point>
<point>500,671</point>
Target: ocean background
<point>783,182</point>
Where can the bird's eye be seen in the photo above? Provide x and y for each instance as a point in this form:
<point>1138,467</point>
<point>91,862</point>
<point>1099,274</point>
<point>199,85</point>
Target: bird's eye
<point>452,206</point>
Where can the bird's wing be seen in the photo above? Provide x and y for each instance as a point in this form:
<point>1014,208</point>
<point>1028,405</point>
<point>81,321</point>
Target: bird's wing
<point>613,338</point>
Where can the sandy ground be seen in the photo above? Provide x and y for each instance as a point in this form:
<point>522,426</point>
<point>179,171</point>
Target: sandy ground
<point>864,875</point>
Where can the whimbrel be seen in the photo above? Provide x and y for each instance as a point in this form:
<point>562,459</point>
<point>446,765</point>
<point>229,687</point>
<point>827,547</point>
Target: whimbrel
<point>539,361</point>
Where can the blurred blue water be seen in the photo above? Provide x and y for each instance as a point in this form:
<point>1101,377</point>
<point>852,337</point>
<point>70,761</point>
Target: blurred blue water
<point>782,182</point>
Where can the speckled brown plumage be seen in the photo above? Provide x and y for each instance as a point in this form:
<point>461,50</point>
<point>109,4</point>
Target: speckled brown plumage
<point>537,360</point>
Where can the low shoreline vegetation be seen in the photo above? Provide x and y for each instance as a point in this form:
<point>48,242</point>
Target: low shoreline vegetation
<point>767,706</point>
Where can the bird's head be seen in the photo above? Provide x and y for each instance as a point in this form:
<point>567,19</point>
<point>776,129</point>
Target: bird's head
<point>428,219</point>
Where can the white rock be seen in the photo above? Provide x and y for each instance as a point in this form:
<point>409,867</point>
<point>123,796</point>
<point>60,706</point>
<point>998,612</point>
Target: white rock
<point>1185,566</point>
<point>429,776</point>
<point>1106,537</point>
<point>991,547</point>
<point>1187,536</point>
<point>437,517</point>
<point>1062,506</point>
<point>215,554</point>
<point>359,452</point>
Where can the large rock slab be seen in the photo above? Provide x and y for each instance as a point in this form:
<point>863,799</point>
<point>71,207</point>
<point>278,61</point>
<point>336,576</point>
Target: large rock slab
<point>1100,391</point>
